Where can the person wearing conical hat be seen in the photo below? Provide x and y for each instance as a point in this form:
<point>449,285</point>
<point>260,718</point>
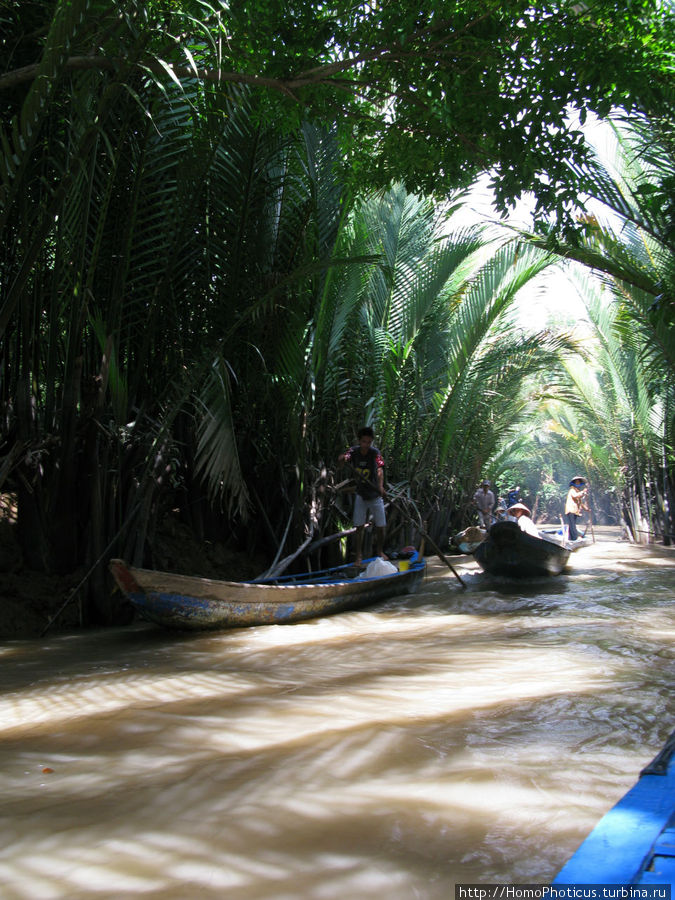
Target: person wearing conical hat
<point>522,515</point>
<point>575,504</point>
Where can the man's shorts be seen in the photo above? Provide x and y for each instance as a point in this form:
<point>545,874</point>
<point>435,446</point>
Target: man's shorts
<point>375,507</point>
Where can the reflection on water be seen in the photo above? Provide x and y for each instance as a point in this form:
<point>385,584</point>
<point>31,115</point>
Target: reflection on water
<point>393,752</point>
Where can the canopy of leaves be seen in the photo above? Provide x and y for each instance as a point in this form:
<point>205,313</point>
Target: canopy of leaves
<point>195,297</point>
<point>428,93</point>
<point>621,427</point>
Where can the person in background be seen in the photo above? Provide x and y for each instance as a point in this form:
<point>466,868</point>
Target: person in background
<point>500,509</point>
<point>484,501</point>
<point>368,465</point>
<point>522,515</point>
<point>575,504</point>
<point>513,496</point>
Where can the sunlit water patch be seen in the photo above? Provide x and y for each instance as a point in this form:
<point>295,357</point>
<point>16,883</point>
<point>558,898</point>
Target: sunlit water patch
<point>453,736</point>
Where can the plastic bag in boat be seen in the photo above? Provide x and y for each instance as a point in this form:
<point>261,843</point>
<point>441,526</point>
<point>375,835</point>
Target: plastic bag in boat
<point>377,567</point>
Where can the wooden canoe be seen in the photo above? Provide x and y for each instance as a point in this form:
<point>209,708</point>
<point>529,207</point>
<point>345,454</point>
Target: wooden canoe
<point>187,602</point>
<point>509,551</point>
<point>635,842</point>
<point>467,541</point>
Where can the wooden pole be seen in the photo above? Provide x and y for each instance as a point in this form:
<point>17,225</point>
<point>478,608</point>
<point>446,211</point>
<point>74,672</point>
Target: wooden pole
<point>590,514</point>
<point>356,476</point>
<point>440,555</point>
<point>427,537</point>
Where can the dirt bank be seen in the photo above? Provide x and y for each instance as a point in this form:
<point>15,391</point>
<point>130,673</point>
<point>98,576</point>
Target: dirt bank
<point>31,602</point>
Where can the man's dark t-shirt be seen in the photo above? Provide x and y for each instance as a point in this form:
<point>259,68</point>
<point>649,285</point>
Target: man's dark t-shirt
<point>366,468</point>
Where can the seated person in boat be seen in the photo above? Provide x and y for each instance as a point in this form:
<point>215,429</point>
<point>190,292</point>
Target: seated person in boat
<point>368,465</point>
<point>500,509</point>
<point>521,514</point>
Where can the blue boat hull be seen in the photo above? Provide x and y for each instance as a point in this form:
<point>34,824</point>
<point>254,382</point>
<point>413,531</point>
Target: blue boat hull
<point>634,844</point>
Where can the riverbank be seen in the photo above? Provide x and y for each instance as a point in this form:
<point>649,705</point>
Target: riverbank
<point>31,602</point>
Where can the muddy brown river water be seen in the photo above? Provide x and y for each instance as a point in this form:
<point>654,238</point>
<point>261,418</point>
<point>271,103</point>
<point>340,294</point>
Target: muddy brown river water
<point>445,738</point>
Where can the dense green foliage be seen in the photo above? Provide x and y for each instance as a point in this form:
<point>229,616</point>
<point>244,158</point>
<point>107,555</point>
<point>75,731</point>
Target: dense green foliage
<point>625,432</point>
<point>427,93</point>
<point>217,261</point>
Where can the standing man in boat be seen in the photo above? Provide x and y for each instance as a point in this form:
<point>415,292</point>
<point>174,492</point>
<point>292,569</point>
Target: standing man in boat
<point>575,504</point>
<point>484,501</point>
<point>368,464</point>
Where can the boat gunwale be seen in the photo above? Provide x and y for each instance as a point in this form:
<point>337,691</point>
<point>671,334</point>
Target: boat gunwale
<point>628,840</point>
<point>151,581</point>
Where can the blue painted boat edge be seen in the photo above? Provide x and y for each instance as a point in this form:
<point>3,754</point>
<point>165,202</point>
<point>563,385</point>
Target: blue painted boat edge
<point>621,845</point>
<point>415,562</point>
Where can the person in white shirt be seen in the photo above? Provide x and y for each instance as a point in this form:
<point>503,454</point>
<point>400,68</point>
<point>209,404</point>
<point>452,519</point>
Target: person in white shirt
<point>522,514</point>
<point>575,504</point>
<point>484,501</point>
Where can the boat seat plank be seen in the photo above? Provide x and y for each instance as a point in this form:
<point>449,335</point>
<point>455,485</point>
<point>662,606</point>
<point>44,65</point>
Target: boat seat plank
<point>665,845</point>
<point>661,871</point>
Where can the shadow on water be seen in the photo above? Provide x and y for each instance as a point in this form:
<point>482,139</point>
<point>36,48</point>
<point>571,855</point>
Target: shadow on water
<point>452,736</point>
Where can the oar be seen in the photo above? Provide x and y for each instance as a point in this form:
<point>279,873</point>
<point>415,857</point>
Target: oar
<point>434,546</point>
<point>589,524</point>
<point>590,516</point>
<point>427,537</point>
